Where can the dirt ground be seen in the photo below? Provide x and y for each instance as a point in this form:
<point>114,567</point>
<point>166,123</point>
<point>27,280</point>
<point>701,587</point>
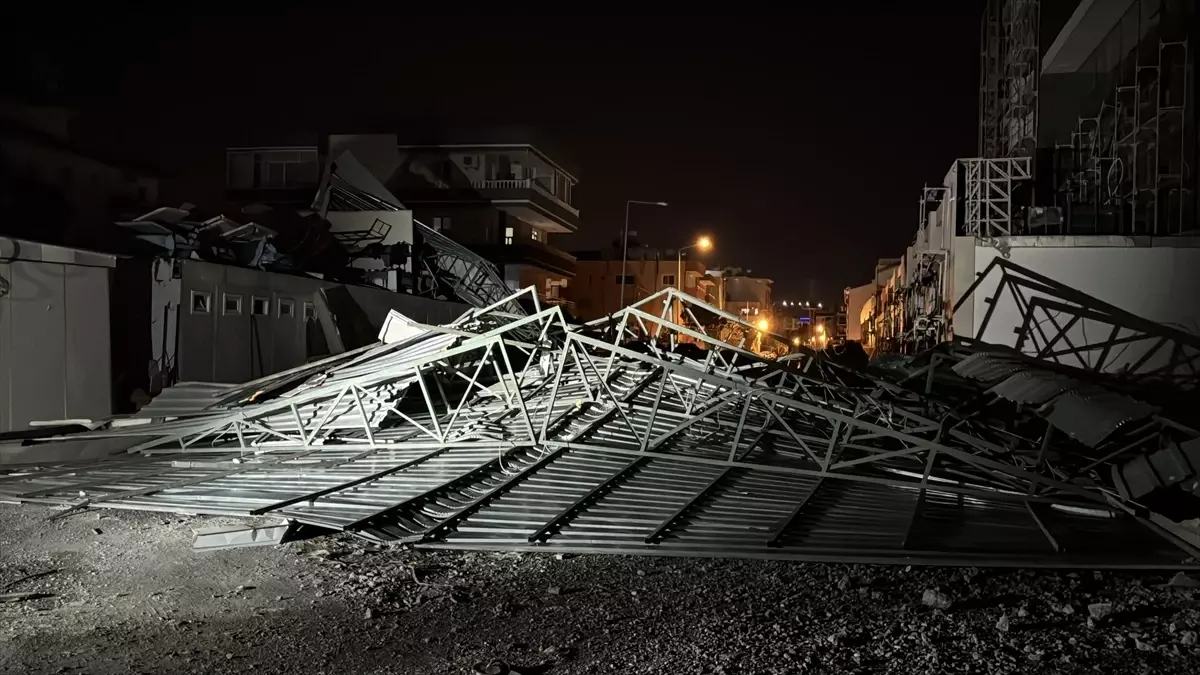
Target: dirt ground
<point>127,594</point>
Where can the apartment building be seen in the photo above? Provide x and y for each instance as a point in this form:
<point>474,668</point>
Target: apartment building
<point>497,193</point>
<point>596,290</point>
<point>507,201</point>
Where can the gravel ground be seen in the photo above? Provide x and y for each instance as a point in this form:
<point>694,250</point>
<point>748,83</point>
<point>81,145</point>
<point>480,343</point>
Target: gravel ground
<point>128,595</point>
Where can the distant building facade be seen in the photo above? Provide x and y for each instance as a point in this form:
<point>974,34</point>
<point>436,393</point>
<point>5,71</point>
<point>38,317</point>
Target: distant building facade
<point>596,291</point>
<point>743,294</point>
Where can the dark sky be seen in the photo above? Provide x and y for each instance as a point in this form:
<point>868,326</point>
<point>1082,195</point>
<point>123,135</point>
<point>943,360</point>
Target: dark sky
<point>799,142</point>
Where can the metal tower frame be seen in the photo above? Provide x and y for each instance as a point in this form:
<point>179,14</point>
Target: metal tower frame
<point>989,194</point>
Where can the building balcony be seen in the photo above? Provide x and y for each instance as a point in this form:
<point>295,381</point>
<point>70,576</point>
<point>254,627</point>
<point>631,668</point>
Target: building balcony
<point>566,304</point>
<point>527,184</point>
<point>527,200</point>
<point>528,253</point>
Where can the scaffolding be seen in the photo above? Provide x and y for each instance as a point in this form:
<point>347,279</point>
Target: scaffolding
<point>1010,66</point>
<point>989,194</point>
<point>1129,168</point>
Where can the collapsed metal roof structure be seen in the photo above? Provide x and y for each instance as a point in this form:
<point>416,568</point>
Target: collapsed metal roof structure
<point>640,434</point>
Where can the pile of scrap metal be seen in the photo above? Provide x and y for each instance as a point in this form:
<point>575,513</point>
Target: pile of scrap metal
<point>635,434</point>
<point>1083,426</point>
<point>288,241</point>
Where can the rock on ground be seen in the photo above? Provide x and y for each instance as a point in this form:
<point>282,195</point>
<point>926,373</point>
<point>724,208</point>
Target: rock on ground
<point>138,599</point>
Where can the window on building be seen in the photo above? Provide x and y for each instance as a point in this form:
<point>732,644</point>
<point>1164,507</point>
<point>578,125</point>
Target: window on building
<point>287,308</point>
<point>201,302</point>
<point>441,224</point>
<point>628,279</point>
<point>668,280</point>
<point>508,235</point>
<point>260,306</point>
<point>310,312</point>
<point>272,168</point>
<point>536,234</point>
<point>231,304</point>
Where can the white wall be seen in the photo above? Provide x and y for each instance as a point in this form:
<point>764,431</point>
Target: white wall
<point>55,361</point>
<point>221,347</point>
<point>961,263</point>
<point>856,299</point>
<point>1157,279</point>
<point>165,300</point>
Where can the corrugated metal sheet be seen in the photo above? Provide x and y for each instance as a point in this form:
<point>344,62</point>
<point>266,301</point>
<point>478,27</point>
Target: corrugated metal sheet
<point>1083,411</point>
<point>1091,415</point>
<point>185,398</point>
<point>986,367</point>
<point>1032,387</point>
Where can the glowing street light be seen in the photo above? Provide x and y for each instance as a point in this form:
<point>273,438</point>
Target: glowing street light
<point>763,325</point>
<point>704,244</point>
<point>796,341</point>
<point>820,328</point>
<point>819,305</point>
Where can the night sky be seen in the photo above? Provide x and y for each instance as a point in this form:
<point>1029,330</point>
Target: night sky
<point>799,142</point>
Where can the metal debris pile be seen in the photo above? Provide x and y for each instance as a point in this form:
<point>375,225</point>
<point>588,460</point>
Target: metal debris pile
<point>642,433</point>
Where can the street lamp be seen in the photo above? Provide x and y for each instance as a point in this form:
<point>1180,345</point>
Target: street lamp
<point>704,244</point>
<point>763,325</point>
<point>625,242</point>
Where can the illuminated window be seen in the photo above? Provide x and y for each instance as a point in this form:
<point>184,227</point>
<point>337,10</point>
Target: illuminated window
<point>231,304</point>
<point>536,234</point>
<point>508,235</point>
<point>260,306</point>
<point>287,308</point>
<point>310,312</point>
<point>201,302</point>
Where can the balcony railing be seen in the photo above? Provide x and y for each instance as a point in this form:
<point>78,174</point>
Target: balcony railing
<point>501,184</point>
<point>554,198</point>
<point>568,305</point>
<point>526,184</point>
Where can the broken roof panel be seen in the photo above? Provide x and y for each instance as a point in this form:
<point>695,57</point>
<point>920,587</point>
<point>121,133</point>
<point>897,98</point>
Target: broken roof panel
<point>506,431</point>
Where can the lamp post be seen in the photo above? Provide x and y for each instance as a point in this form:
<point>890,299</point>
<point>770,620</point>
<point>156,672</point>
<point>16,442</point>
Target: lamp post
<point>703,243</point>
<point>625,243</point>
